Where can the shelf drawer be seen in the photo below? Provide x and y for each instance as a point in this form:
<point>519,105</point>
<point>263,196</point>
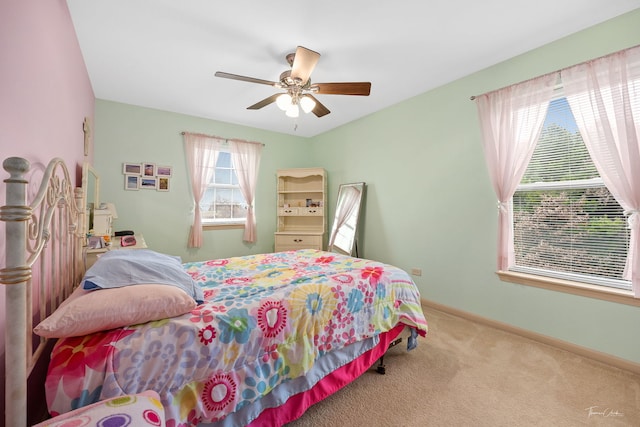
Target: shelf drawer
<point>310,211</point>
<point>288,211</point>
<point>289,242</point>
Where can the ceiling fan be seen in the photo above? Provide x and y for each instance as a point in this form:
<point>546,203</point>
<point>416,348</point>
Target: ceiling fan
<point>298,89</point>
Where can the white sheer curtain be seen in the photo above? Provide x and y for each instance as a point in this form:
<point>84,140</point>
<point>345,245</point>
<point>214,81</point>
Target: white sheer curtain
<point>604,96</point>
<point>511,120</point>
<point>201,159</point>
<point>246,160</point>
<point>349,198</point>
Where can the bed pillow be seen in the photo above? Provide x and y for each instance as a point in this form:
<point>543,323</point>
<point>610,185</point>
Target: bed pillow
<point>124,267</point>
<point>85,312</point>
<point>142,409</point>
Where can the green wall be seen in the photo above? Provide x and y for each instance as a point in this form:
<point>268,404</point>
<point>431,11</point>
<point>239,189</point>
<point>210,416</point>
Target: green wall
<point>429,203</point>
<point>125,133</point>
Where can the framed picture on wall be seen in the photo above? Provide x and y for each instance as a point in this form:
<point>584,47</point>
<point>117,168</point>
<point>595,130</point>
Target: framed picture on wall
<point>132,182</point>
<point>163,183</point>
<point>132,168</point>
<point>163,171</point>
<point>148,169</point>
<point>150,183</point>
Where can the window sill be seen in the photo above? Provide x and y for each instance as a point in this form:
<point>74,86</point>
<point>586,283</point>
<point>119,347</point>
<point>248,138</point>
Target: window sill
<point>591,291</point>
<point>221,226</point>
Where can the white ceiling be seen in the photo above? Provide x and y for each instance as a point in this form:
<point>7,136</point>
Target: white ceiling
<point>163,54</point>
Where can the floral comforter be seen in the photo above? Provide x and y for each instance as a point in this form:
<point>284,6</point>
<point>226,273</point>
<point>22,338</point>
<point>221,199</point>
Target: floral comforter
<point>266,319</point>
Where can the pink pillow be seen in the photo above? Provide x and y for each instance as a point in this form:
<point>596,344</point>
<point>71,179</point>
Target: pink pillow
<point>85,312</point>
<point>142,409</point>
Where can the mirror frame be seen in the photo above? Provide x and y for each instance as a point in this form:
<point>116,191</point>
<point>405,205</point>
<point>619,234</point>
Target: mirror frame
<point>347,210</point>
<point>87,172</point>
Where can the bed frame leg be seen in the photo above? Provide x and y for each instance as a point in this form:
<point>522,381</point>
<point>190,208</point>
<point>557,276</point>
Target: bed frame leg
<point>381,369</point>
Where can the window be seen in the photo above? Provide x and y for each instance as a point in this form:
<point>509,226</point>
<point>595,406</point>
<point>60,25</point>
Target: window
<point>556,212</point>
<point>223,202</point>
<point>566,223</point>
<point>223,174</point>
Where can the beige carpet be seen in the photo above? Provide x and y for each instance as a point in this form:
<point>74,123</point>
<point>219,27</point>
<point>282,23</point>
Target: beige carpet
<point>466,374</point>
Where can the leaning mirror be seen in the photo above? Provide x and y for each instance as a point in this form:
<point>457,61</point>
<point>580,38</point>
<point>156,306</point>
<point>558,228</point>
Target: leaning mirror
<point>90,194</point>
<point>344,232</point>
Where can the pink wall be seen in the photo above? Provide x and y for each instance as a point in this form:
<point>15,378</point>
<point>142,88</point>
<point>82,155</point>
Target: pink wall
<point>45,93</point>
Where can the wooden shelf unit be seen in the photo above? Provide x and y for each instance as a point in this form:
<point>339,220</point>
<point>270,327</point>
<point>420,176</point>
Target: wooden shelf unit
<point>302,209</point>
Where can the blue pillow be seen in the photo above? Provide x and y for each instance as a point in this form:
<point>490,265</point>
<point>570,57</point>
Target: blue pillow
<point>124,267</point>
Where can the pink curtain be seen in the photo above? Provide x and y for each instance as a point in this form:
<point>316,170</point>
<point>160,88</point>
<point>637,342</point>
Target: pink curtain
<point>604,96</point>
<point>246,160</point>
<point>201,159</point>
<point>511,120</point>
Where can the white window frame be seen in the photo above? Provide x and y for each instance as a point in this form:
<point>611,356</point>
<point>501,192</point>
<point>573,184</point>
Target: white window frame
<point>602,288</point>
<point>224,222</point>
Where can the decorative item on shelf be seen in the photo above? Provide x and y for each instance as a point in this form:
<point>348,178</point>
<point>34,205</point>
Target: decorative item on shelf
<point>146,175</point>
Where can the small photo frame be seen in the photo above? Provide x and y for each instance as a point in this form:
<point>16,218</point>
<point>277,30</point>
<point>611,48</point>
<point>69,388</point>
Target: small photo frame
<point>96,242</point>
<point>163,171</point>
<point>148,169</point>
<point>132,182</point>
<point>132,168</point>
<point>150,183</point>
<point>163,183</point>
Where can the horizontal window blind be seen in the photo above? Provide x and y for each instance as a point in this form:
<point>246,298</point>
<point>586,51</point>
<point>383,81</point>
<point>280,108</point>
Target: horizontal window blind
<point>566,222</point>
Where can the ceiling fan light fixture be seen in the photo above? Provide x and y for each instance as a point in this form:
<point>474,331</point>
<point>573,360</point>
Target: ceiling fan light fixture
<point>293,111</point>
<point>307,104</point>
<point>283,101</point>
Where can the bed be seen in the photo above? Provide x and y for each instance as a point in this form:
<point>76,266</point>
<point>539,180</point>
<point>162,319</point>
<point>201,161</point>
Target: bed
<point>251,340</point>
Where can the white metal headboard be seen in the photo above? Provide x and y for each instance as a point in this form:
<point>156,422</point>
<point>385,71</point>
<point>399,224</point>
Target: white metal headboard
<point>43,244</point>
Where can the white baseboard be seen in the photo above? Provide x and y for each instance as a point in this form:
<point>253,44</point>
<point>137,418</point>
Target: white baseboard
<point>544,339</point>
